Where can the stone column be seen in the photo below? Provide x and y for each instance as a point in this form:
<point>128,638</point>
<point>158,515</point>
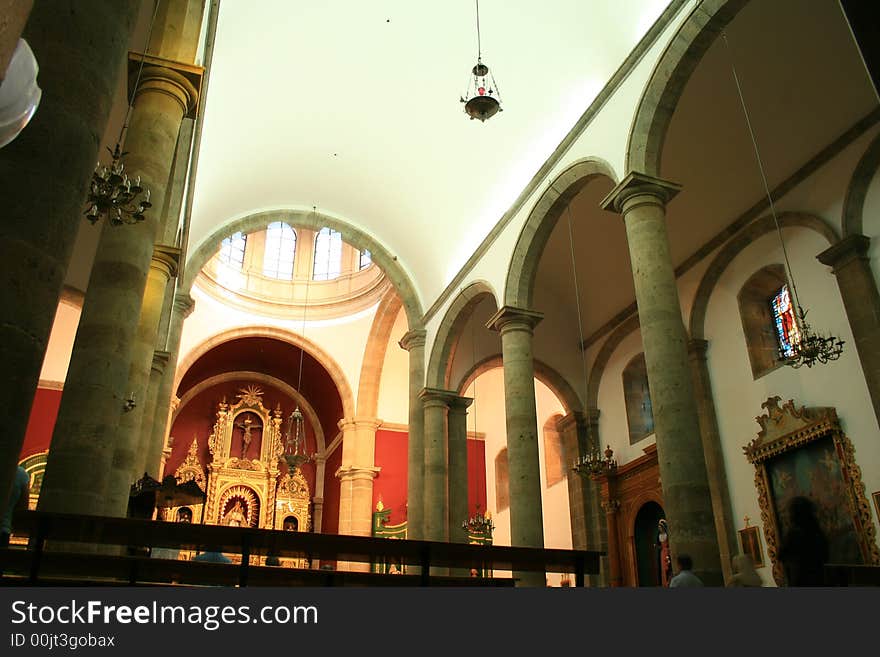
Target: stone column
<point>158,429</point>
<point>572,429</point>
<point>458,467</point>
<point>129,455</point>
<point>610,506</point>
<point>436,489</point>
<point>718,487</point>
<point>686,494</point>
<point>13,16</point>
<point>414,342</point>
<point>849,261</point>
<point>526,514</point>
<point>356,474</point>
<point>44,177</point>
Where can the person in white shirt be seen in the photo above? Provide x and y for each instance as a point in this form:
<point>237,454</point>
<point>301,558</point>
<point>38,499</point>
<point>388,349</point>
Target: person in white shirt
<point>685,577</point>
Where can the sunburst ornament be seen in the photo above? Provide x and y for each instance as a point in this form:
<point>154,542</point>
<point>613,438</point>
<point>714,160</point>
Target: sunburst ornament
<point>252,395</point>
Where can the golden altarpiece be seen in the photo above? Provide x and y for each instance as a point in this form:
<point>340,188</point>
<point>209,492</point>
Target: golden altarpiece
<point>245,484</point>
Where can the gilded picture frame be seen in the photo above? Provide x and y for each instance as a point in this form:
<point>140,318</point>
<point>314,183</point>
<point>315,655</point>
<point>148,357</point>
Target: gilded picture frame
<point>750,542</point>
<point>804,452</point>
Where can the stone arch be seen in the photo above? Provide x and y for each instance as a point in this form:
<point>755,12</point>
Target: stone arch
<point>543,372</point>
<point>854,203</point>
<point>449,332</point>
<point>735,246</point>
<point>313,220</point>
<point>266,379</point>
<point>540,223</point>
<point>327,361</point>
<point>604,355</point>
<point>374,354</point>
<point>669,78</point>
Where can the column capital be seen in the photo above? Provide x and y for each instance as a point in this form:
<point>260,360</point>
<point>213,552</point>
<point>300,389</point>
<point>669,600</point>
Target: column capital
<point>160,361</point>
<point>184,304</point>
<point>182,81</point>
<point>697,348</point>
<point>459,404</point>
<point>572,419</point>
<point>357,472</point>
<point>652,190</point>
<point>511,317</point>
<point>437,397</point>
<point>850,248</point>
<point>166,259</point>
<point>412,339</point>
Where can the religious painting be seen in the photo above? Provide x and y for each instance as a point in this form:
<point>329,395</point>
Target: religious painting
<point>813,471</point>
<point>803,452</point>
<point>750,540</point>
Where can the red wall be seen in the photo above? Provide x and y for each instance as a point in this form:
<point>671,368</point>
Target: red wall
<point>390,484</point>
<point>41,423</point>
<point>330,517</point>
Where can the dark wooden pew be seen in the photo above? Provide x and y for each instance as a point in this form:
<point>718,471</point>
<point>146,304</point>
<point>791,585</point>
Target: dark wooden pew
<point>53,538</point>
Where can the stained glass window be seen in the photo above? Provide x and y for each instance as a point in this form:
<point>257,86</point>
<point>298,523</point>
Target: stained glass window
<point>787,332</point>
<point>280,248</point>
<point>328,255</point>
<point>232,250</point>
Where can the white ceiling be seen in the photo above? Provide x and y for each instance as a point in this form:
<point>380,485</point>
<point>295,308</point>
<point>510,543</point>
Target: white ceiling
<point>353,106</point>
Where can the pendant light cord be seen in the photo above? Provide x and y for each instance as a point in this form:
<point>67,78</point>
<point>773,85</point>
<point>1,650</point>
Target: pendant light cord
<point>745,110</point>
<point>577,299</point>
<point>479,49</point>
<point>137,79</point>
<point>303,329</point>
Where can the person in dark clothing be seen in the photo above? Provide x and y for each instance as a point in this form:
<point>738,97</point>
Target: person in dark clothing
<point>804,551</point>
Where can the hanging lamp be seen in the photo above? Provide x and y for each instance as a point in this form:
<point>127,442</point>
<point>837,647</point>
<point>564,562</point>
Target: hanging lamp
<point>482,99</point>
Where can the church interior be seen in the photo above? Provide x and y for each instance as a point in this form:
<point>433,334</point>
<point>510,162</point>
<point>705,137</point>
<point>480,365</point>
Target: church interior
<point>597,276</point>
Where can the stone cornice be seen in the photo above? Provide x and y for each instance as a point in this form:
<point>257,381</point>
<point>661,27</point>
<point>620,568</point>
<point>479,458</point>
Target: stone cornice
<point>850,248</point>
<point>508,315</point>
<point>436,396</point>
<point>635,184</point>
<point>412,339</point>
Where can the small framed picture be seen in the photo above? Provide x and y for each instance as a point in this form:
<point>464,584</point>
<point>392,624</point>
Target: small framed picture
<point>750,540</point>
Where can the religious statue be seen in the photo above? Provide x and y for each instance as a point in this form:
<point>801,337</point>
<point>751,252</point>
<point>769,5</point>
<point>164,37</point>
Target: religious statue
<point>235,517</point>
<point>664,557</point>
<point>247,425</point>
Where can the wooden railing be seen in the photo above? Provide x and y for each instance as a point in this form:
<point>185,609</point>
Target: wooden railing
<point>51,552</point>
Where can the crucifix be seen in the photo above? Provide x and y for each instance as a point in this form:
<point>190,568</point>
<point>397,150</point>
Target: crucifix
<point>246,426</point>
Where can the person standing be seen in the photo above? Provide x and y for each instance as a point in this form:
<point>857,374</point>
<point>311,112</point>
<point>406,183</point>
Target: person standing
<point>18,501</point>
<point>804,551</point>
<point>685,578</point>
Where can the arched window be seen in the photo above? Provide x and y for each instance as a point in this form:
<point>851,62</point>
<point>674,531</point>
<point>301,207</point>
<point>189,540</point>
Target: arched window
<point>553,465</point>
<point>232,250</point>
<point>639,411</point>
<point>366,259</point>
<point>328,255</point>
<point>280,249</point>
<point>502,481</point>
<point>760,297</point>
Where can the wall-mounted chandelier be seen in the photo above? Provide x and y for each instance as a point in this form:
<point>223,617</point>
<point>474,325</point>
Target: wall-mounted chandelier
<point>595,464</point>
<point>482,99</point>
<point>805,347</point>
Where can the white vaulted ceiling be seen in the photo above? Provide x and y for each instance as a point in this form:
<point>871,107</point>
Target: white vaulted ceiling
<point>353,106</point>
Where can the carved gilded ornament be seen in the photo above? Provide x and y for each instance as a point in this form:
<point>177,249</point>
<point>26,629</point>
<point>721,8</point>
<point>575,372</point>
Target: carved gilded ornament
<point>787,428</point>
<point>191,469</point>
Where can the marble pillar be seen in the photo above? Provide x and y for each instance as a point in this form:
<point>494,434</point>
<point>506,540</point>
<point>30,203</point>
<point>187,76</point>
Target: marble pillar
<point>851,265</point>
<point>458,467</point>
<point>44,177</point>
<point>435,403</point>
<point>686,493</point>
<point>516,326</point>
<point>414,343</point>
